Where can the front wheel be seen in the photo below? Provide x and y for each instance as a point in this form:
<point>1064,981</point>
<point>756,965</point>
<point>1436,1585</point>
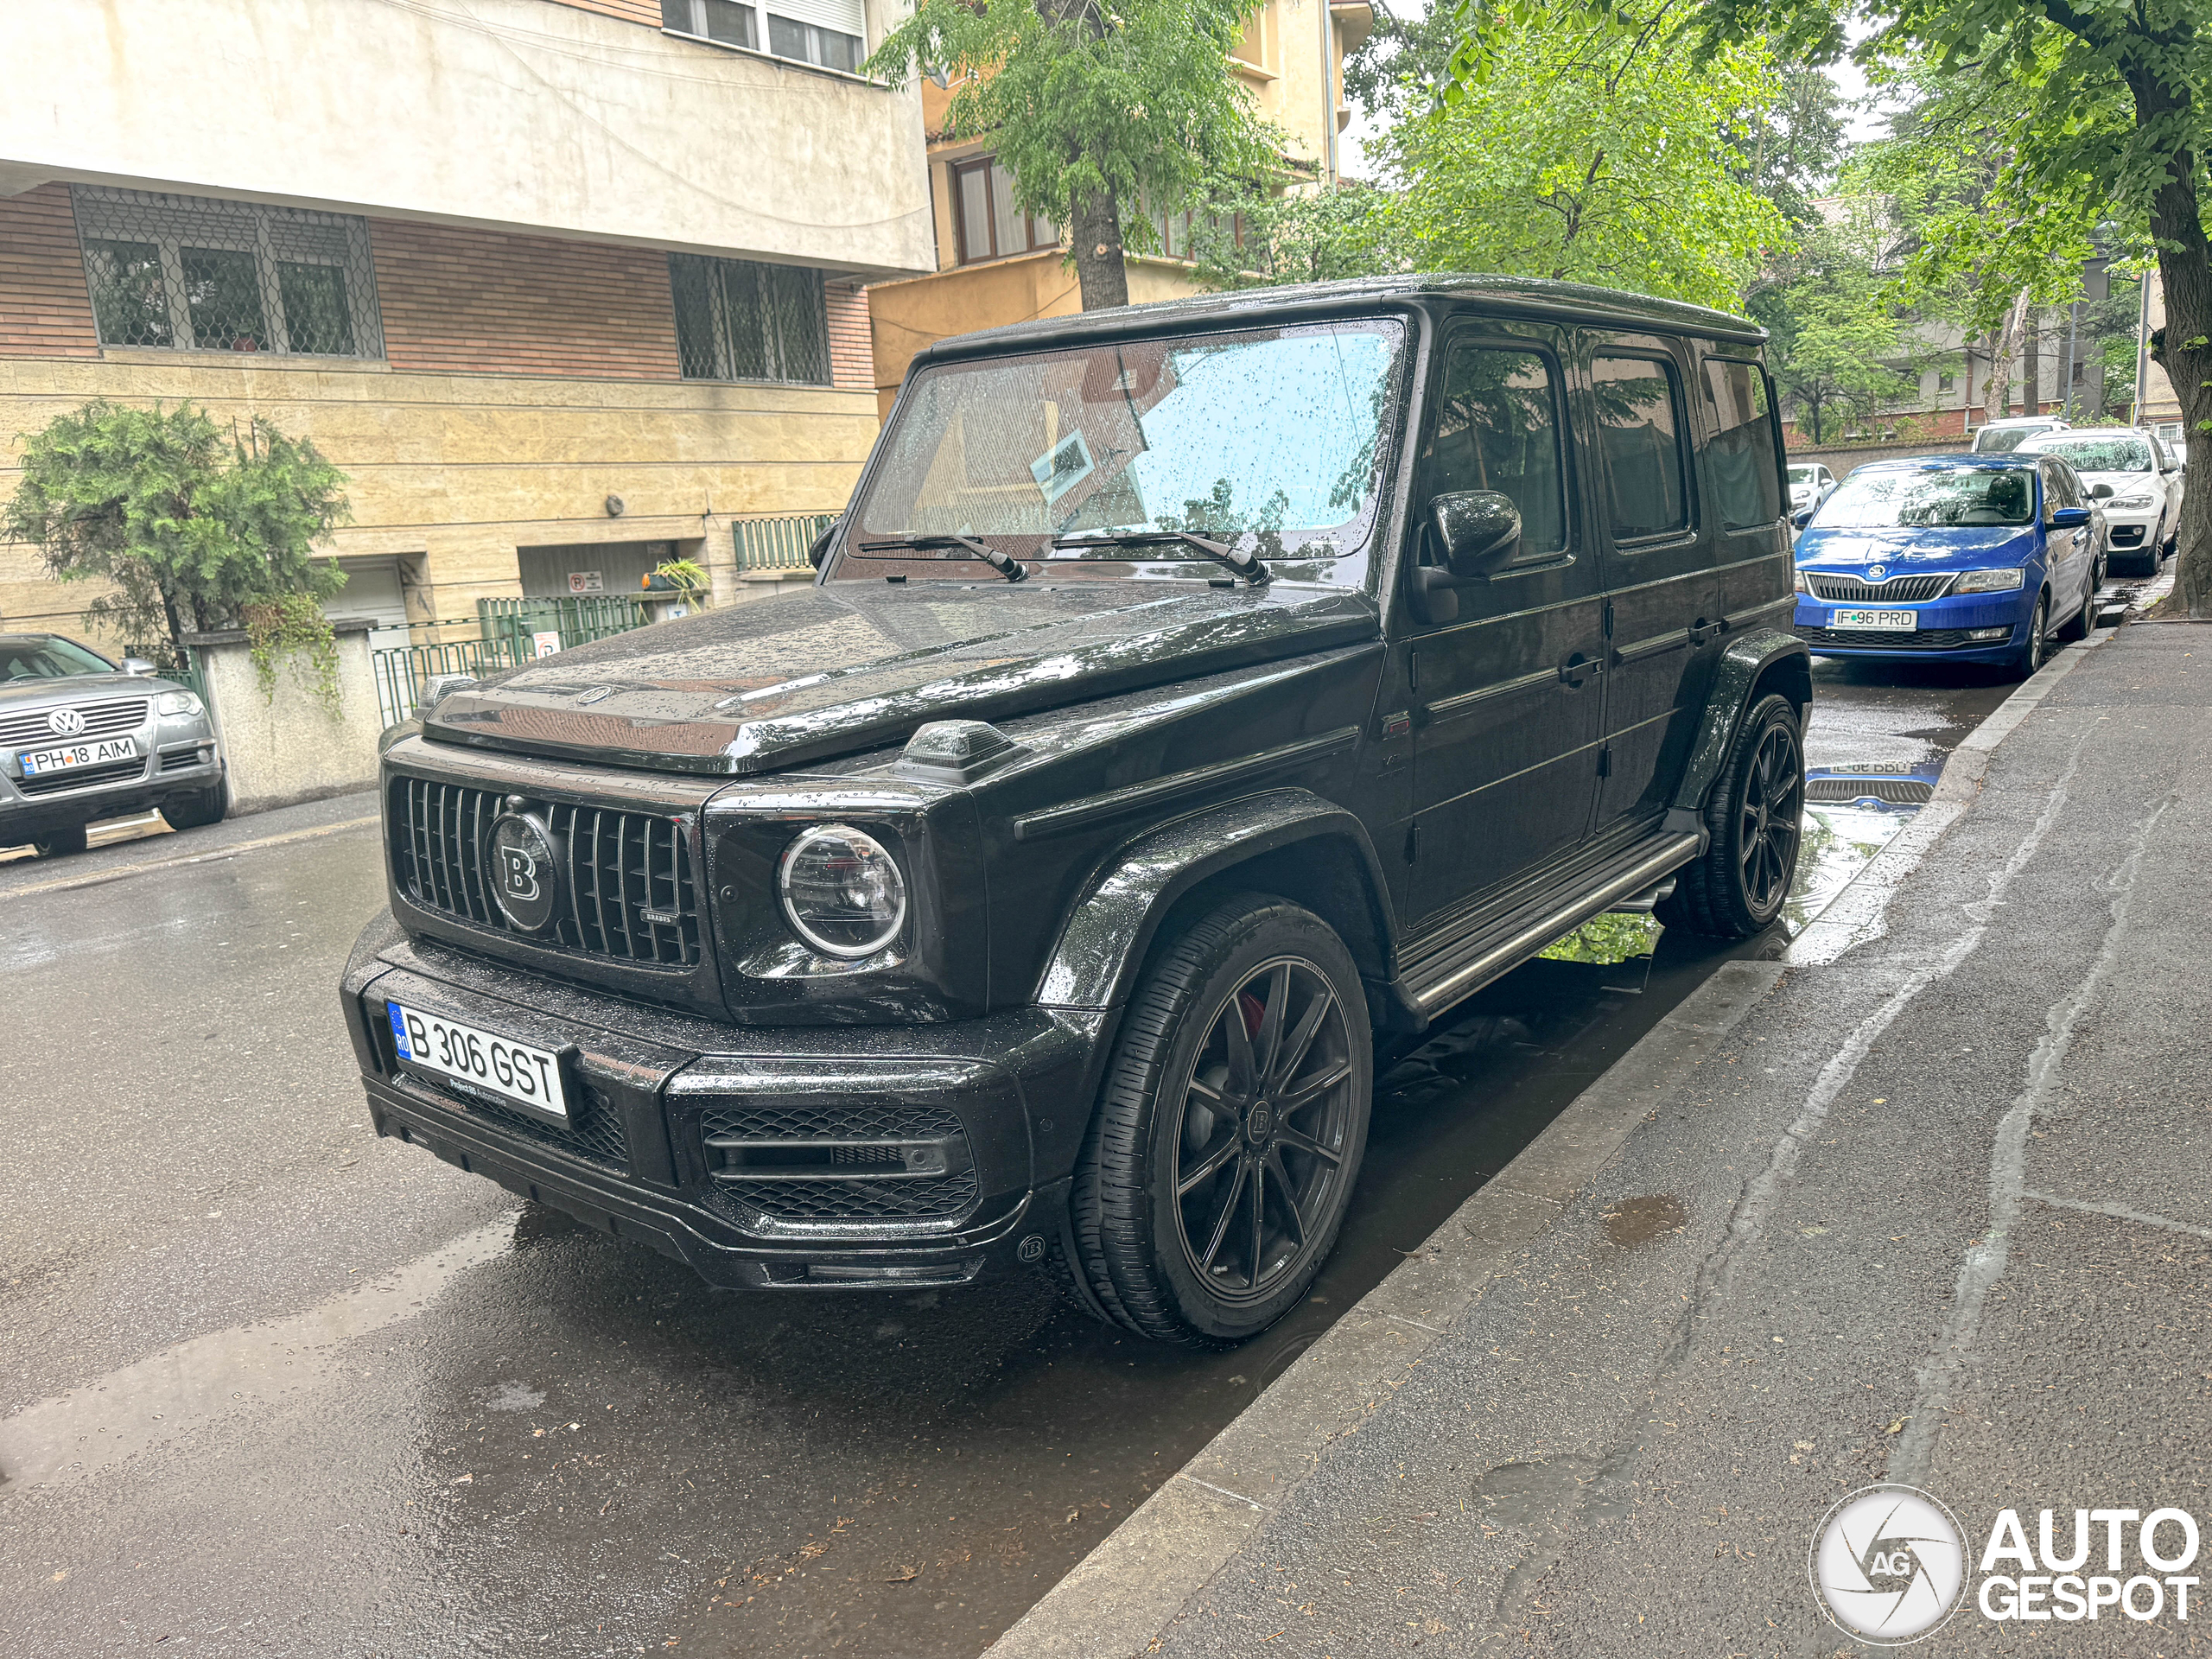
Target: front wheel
<point>1754,817</point>
<point>2029,657</point>
<point>1229,1128</point>
<point>197,810</point>
<point>59,843</point>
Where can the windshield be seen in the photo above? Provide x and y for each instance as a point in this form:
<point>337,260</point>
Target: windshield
<point>1952,497</point>
<point>1801,474</point>
<point>47,657</point>
<point>2105,454</point>
<point>2004,439</point>
<point>1269,441</point>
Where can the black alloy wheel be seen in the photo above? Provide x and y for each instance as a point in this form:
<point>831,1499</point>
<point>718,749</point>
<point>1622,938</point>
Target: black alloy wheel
<point>2077,626</point>
<point>2029,657</point>
<point>1754,820</point>
<point>1229,1128</point>
<point>59,843</point>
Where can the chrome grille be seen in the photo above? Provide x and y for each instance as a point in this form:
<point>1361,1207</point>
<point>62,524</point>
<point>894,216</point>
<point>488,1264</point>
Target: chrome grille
<point>628,888</point>
<point>102,719</point>
<point>1896,590</point>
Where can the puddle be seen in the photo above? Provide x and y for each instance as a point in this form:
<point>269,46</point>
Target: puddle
<point>1634,1223</point>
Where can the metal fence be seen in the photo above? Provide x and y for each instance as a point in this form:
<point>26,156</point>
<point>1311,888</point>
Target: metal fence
<point>510,632</point>
<point>779,543</point>
<point>402,669</point>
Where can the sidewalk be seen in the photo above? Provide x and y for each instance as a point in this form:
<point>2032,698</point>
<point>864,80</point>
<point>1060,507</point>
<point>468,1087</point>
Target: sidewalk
<point>1934,1210</point>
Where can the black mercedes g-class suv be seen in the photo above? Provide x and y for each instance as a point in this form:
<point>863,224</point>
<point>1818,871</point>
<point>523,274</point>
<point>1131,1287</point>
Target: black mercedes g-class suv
<point>1191,698</point>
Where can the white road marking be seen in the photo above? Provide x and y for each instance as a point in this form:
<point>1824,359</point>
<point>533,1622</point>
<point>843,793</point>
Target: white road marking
<point>2117,1212</point>
<point>153,1400</point>
<point>1985,1260</point>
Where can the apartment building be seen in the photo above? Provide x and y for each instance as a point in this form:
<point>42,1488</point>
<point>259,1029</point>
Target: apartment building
<point>993,265</point>
<point>566,287</point>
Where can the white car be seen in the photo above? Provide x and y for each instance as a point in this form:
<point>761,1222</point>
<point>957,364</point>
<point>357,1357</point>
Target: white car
<point>1810,484</point>
<point>2131,474</point>
<point>2002,437</point>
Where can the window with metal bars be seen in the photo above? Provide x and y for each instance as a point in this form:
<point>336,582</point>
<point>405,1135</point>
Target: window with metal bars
<point>191,273</point>
<point>739,320</point>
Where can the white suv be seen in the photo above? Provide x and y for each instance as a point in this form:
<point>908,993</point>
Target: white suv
<point>2131,474</point>
<point>2002,437</point>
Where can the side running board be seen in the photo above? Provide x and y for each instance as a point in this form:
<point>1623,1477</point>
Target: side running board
<point>1452,975</point>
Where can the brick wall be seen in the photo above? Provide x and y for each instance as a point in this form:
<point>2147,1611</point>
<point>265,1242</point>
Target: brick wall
<point>481,302</point>
<point>632,11</point>
<point>852,353</point>
<point>44,310</point>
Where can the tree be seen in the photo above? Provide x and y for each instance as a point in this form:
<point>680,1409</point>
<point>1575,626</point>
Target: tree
<point>194,529</point>
<point>1839,343</point>
<point>1094,110</point>
<point>1256,235</point>
<point>2115,123</point>
<point>1591,143</point>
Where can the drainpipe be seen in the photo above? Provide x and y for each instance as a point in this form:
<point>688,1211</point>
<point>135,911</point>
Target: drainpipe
<point>2073,333</point>
<point>2142,345</point>
<point>1328,96</point>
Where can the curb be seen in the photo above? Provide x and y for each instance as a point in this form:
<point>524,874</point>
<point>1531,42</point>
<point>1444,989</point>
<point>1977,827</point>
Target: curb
<point>1129,1588</point>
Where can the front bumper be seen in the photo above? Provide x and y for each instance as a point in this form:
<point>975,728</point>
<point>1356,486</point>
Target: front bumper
<point>1946,632</point>
<point>179,757</point>
<point>2131,533</point>
<point>713,1143</point>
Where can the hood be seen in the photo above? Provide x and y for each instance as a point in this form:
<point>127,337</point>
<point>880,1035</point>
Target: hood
<point>2123,483</point>
<point>852,666</point>
<point>1915,549</point>
<point>79,688</point>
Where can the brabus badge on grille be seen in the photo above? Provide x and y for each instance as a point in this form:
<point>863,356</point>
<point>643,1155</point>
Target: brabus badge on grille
<point>65,722</point>
<point>525,870</point>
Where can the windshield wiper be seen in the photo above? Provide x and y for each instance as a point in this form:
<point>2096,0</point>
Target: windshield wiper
<point>1008,566</point>
<point>1247,565</point>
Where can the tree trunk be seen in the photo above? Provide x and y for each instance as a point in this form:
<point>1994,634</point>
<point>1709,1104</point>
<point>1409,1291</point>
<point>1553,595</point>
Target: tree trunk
<point>2185,343</point>
<point>1997,397</point>
<point>1095,234</point>
<point>2031,364</point>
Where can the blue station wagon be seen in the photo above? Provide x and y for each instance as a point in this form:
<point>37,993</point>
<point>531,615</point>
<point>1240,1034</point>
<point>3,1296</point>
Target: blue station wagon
<point>1952,558</point>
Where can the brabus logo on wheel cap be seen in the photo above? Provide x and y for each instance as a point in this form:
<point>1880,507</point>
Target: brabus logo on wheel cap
<point>525,870</point>
<point>65,722</point>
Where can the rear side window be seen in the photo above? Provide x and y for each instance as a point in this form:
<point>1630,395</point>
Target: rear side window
<point>1641,432</point>
<point>2058,486</point>
<point>1498,429</point>
<point>1746,489</point>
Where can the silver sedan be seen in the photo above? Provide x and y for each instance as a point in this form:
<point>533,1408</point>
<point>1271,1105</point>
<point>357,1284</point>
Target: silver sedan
<point>83,738</point>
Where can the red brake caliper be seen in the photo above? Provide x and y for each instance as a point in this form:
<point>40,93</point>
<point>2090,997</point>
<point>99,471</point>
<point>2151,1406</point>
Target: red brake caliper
<point>1254,1012</point>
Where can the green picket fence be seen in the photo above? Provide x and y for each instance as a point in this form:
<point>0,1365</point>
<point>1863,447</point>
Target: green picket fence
<point>401,671</point>
<point>778,543</point>
<point>578,618</point>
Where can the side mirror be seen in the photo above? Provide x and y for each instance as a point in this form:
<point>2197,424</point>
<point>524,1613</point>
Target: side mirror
<point>820,550</point>
<point>2069,519</point>
<point>137,666</point>
<point>1479,532</point>
<point>2102,492</point>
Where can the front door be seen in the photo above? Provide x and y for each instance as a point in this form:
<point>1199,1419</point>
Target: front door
<point>1507,696</point>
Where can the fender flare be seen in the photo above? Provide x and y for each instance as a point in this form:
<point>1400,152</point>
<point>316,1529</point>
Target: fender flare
<point>1757,655</point>
<point>1107,932</point>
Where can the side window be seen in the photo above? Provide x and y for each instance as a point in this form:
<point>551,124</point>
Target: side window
<point>1746,488</point>
<point>1498,429</point>
<point>2058,486</point>
<point>1642,441</point>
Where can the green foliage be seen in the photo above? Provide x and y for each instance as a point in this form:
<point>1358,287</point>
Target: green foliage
<point>1258,235</point>
<point>190,526</point>
<point>1591,143</point>
<point>285,623</point>
<point>689,576</point>
<point>1086,105</point>
<point>1604,940</point>
<point>1840,347</point>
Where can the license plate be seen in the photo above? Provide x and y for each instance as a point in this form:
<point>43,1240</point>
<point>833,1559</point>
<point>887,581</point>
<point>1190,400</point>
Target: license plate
<point>517,1071</point>
<point>1899,621</point>
<point>36,761</point>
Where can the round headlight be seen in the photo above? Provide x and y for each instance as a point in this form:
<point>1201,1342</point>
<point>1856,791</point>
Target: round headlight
<point>177,703</point>
<point>842,891</point>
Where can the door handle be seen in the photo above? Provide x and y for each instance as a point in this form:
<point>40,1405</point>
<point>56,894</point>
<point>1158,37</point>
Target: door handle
<point>1579,668</point>
<point>1701,631</point>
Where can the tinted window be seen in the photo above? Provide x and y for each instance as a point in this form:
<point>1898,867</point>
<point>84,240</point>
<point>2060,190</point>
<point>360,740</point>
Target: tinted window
<point>1642,441</point>
<point>1745,491</point>
<point>1498,429</point>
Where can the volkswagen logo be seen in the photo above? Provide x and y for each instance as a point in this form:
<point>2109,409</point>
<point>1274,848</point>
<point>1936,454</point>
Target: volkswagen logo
<point>525,870</point>
<point>65,722</point>
<point>1875,572</point>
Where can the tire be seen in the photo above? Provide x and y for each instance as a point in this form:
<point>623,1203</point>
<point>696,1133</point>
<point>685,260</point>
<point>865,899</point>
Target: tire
<point>1202,1210</point>
<point>2026,660</point>
<point>1755,817</point>
<point>2077,626</point>
<point>59,843</point>
<point>199,809</point>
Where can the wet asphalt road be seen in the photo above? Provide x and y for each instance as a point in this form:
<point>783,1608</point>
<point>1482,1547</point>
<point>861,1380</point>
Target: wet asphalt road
<point>269,1385</point>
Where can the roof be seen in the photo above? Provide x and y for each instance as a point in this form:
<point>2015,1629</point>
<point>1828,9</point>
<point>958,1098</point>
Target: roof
<point>1997,462</point>
<point>1516,295</point>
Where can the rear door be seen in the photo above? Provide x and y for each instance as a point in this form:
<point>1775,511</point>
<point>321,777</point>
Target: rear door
<point>1663,594</point>
<point>1508,695</point>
